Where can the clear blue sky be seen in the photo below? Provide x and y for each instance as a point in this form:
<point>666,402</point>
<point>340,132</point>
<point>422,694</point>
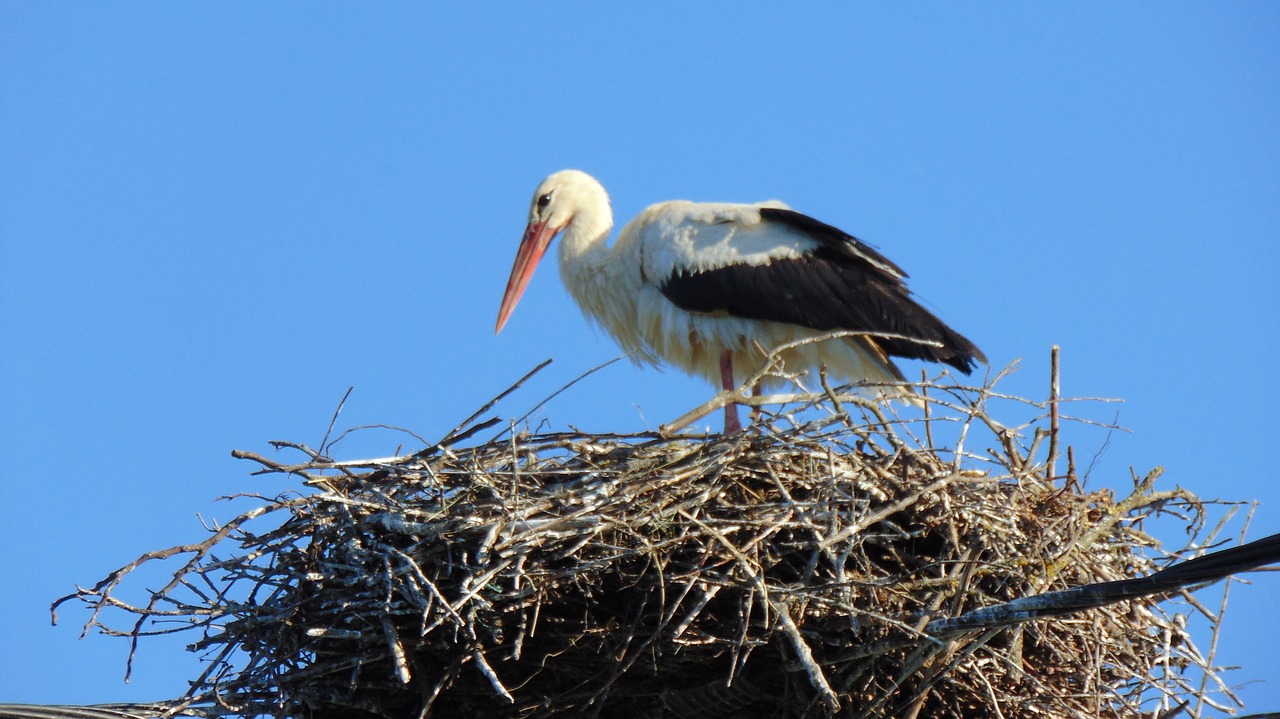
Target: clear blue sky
<point>214,218</point>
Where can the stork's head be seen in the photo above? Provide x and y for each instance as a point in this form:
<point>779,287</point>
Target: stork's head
<point>558,202</point>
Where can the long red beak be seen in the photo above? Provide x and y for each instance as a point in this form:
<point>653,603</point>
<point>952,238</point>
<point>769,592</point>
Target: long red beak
<point>536,239</point>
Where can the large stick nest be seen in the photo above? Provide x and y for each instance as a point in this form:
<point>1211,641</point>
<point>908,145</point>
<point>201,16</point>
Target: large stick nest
<point>786,571</point>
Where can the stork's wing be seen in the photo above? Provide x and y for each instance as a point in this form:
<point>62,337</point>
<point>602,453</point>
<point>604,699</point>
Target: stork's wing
<point>833,237</point>
<point>834,283</point>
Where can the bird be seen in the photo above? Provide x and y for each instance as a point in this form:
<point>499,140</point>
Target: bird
<point>712,288</point>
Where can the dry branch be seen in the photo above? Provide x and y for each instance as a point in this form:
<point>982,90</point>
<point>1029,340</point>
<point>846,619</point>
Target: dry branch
<point>1208,568</point>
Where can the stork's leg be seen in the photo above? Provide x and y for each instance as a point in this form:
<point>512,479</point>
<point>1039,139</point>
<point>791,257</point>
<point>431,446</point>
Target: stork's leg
<point>753,414</point>
<point>731,423</point>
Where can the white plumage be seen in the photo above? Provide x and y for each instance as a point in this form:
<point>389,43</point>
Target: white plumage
<point>706,286</point>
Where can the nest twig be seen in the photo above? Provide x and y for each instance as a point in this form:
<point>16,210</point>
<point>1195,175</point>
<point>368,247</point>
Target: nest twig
<point>820,563</point>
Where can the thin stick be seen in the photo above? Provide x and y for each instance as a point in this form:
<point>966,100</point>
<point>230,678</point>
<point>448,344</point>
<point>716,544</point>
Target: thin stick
<point>397,650</point>
<point>492,676</point>
<point>805,656</point>
<point>452,436</point>
<point>571,383</point>
<point>334,420</point>
<point>928,413</point>
<point>1054,394</point>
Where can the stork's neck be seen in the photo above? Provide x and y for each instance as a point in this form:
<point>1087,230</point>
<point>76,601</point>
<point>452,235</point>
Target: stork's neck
<point>582,247</point>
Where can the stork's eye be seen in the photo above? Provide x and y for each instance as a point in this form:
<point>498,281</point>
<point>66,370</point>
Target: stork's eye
<point>543,202</point>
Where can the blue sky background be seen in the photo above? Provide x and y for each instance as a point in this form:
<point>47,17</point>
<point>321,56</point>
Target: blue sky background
<point>216,218</point>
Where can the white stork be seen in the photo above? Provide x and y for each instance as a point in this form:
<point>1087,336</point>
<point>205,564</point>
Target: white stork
<point>705,286</point>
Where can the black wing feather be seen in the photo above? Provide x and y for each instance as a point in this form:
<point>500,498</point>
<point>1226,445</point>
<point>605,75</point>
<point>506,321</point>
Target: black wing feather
<point>830,236</point>
<point>829,289</point>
